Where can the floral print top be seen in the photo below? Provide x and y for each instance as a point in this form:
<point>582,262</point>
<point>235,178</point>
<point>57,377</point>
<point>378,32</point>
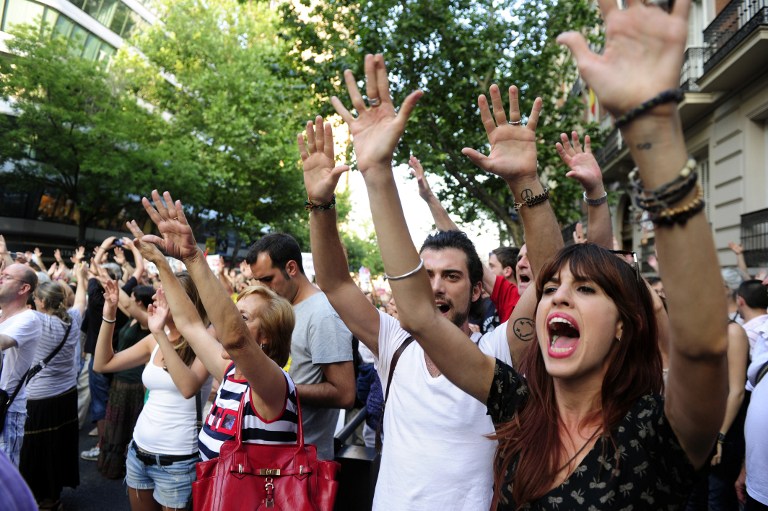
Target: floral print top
<point>653,471</point>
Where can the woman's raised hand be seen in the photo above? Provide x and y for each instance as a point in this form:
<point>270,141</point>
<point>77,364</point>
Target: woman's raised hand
<point>148,250</point>
<point>642,56</point>
<point>321,174</point>
<point>377,128</point>
<point>157,312</point>
<point>582,165</point>
<point>176,238</point>
<point>513,144</point>
<point>111,296</point>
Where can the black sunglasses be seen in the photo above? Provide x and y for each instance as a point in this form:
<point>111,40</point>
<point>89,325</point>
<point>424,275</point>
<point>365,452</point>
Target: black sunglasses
<point>634,264</point>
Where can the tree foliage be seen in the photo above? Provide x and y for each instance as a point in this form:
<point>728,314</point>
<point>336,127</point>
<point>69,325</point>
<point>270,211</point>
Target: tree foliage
<point>74,132</point>
<point>219,71</point>
<point>454,50</point>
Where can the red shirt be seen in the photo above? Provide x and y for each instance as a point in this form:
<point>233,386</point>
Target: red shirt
<point>504,296</point>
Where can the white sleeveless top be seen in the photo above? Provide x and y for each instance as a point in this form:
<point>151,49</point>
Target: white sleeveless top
<point>166,424</point>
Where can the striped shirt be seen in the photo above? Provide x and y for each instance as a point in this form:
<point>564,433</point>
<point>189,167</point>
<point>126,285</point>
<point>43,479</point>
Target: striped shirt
<point>219,426</point>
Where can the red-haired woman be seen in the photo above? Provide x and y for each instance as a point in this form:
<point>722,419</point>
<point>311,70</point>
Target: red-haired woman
<point>589,425</point>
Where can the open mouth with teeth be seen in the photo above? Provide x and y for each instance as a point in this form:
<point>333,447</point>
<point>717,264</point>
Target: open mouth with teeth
<point>524,279</point>
<point>443,307</point>
<point>563,337</point>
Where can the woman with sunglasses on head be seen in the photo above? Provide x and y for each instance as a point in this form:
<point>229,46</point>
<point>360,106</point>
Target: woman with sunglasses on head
<point>49,458</point>
<point>254,334</point>
<point>161,458</point>
<point>589,425</point>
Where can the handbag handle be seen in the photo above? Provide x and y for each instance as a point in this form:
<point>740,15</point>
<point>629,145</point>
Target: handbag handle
<point>241,413</point>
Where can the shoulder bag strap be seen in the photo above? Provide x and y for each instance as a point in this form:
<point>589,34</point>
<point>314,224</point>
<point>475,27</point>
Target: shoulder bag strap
<point>760,373</point>
<point>41,365</point>
<point>32,371</point>
<point>392,366</point>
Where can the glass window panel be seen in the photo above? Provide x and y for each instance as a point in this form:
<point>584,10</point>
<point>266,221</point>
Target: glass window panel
<point>63,27</point>
<point>20,12</point>
<point>130,24</point>
<point>78,36</point>
<point>91,48</point>
<point>105,52</point>
<point>118,20</point>
<point>49,17</point>
<point>91,7</point>
<point>107,11</point>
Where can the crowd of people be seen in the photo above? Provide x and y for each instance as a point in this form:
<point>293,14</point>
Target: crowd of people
<point>552,377</point>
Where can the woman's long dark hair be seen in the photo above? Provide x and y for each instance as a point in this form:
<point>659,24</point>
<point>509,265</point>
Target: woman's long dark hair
<point>182,347</point>
<point>532,437</point>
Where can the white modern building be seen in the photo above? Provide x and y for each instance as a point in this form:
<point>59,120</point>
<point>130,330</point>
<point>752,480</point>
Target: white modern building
<point>101,27</point>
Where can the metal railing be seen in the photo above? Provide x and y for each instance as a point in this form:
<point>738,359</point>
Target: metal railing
<point>693,68</point>
<point>734,23</point>
<point>611,148</point>
<point>754,237</point>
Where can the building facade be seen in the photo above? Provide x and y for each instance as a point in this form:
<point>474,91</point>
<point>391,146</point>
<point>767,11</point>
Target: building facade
<point>725,121</point>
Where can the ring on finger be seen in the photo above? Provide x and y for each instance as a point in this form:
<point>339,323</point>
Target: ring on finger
<point>516,123</point>
<point>374,102</point>
<point>665,5</point>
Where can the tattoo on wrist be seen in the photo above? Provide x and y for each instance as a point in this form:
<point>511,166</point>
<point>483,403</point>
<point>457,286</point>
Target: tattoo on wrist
<point>644,146</point>
<point>524,329</point>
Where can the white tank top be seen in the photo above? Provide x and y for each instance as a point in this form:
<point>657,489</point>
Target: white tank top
<point>166,424</point>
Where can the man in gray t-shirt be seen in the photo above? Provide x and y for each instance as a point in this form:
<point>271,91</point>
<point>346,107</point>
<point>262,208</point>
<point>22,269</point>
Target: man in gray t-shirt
<point>321,345</point>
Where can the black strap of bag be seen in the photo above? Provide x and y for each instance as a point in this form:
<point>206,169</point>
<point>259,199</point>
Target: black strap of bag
<point>392,365</point>
<point>32,371</point>
<point>761,372</point>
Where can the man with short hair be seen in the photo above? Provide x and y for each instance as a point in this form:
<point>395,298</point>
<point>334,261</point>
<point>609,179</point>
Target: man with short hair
<point>321,344</point>
<point>752,302</point>
<point>19,331</point>
<point>499,279</point>
<point>437,454</point>
<point>502,261</point>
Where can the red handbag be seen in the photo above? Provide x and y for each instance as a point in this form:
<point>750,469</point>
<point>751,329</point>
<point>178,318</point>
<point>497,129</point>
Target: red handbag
<point>281,477</point>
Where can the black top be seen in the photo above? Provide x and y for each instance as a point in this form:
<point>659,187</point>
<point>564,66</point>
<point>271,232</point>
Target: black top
<point>653,471</point>
<point>92,322</point>
<point>129,335</point>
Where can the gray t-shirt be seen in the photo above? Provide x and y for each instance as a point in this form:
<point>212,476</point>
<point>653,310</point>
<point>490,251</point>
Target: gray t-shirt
<point>319,337</point>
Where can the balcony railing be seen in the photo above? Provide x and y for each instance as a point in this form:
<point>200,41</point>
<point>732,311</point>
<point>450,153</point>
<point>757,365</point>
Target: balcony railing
<point>611,148</point>
<point>693,68</point>
<point>734,23</point>
<point>754,237</point>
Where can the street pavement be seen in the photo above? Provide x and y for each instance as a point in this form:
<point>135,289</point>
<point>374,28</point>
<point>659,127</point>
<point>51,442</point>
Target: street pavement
<point>95,493</point>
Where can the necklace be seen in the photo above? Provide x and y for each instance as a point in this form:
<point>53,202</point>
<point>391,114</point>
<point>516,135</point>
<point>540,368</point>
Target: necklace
<point>581,449</point>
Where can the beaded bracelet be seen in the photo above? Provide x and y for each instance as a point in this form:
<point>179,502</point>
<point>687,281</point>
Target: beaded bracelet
<point>532,200</point>
<point>660,198</point>
<point>667,96</point>
<point>681,214</point>
<point>596,202</point>
<point>309,205</point>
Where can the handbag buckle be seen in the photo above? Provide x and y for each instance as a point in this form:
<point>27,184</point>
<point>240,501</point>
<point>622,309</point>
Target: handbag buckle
<point>269,499</point>
<point>269,471</point>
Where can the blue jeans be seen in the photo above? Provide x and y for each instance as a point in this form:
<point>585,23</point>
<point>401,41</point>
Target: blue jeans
<point>172,484</point>
<point>99,385</point>
<point>13,436</point>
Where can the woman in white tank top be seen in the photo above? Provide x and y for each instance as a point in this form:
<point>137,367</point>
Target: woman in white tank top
<point>160,465</point>
<point>254,338</point>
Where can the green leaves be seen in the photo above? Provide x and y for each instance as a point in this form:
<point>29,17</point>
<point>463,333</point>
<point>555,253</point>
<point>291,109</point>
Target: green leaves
<point>237,103</point>
<point>454,50</point>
